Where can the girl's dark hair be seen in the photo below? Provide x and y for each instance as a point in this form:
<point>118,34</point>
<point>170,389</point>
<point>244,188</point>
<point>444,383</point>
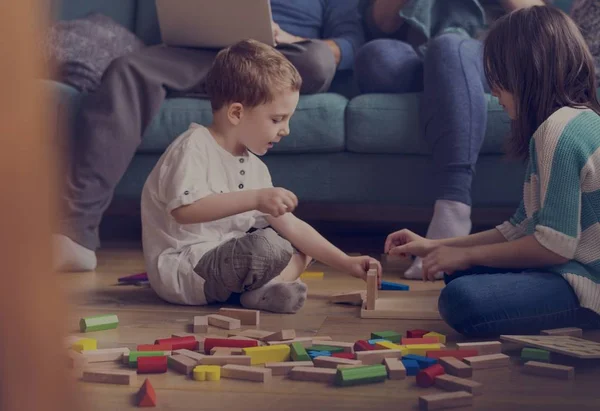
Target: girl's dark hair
<point>538,55</point>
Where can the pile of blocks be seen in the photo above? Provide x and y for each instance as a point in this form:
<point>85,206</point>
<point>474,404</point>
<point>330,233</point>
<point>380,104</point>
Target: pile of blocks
<point>257,355</point>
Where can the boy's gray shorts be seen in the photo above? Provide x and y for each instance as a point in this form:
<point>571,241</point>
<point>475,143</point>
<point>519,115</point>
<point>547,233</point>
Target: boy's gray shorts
<point>243,264</point>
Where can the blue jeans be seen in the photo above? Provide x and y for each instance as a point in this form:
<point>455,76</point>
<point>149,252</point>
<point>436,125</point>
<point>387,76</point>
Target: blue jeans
<point>453,112</point>
<point>487,302</point>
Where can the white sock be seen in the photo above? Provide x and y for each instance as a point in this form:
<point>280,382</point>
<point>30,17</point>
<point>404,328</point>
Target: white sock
<point>69,256</point>
<point>450,219</point>
<point>276,296</point>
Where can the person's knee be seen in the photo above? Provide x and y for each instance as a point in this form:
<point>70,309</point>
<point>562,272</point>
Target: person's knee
<point>460,306</point>
<point>449,47</point>
<point>383,65</point>
<point>270,255</point>
<point>317,69</point>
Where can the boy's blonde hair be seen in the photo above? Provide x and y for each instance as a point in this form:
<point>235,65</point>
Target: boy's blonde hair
<point>250,73</point>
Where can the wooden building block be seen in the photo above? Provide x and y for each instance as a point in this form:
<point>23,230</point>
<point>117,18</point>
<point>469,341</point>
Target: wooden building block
<point>426,378</point>
<point>283,335</point>
<point>244,372</point>
<point>326,375</point>
<point>562,344</point>
<point>119,377</point>
<point>298,352</point>
<point>321,347</point>
<point>570,331</point>
<point>424,362</point>
<point>549,370</point>
<point>313,275</point>
<point>346,346</point>
<point>227,323</point>
<point>454,366</point>
<point>352,298</point>
<point>458,354</point>
<point>182,364</point>
<point>361,375</point>
<point>440,337</point>
<point>346,355</point>
<point>377,356</point>
<point>70,340</point>
<point>98,323</point>
<point>226,351</point>
<point>154,347</point>
<point>445,400</point>
<point>452,383</point>
<point>416,333</point>
<point>535,354</point>
<point>225,359</point>
<point>76,360</point>
<point>362,345</point>
<point>391,336</point>
<point>182,343</point>
<point>371,289</point>
<point>334,362</point>
<point>152,365</point>
<point>105,355</point>
<point>182,335</point>
<point>200,324</point>
<point>488,361</point>
<point>246,317</point>
<point>210,343</point>
<point>387,345</point>
<point>284,368</point>
<point>85,344</point>
<point>420,341</point>
<point>412,367</point>
<point>395,369</point>
<point>483,348</point>
<point>422,349</point>
<point>191,354</point>
<point>146,396</point>
<point>271,353</point>
<point>254,334</point>
<point>207,373</point>
<point>134,355</point>
<point>305,341</point>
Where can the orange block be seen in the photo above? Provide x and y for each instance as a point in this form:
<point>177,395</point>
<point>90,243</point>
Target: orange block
<point>424,340</point>
<point>146,396</point>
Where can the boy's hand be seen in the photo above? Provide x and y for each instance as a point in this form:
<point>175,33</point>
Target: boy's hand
<point>276,201</point>
<point>405,242</point>
<point>446,260</point>
<point>359,266</point>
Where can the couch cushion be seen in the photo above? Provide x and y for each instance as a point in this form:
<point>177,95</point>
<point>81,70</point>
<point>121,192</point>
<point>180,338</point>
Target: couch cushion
<point>146,24</point>
<point>122,11</point>
<point>389,123</point>
<point>317,125</point>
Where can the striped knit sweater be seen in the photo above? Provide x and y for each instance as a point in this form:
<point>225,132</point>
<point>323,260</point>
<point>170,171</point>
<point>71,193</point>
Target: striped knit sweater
<point>561,198</point>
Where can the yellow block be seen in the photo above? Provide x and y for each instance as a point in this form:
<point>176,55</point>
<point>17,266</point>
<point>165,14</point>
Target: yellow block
<point>440,337</point>
<point>421,349</point>
<point>207,373</point>
<point>270,353</point>
<point>387,345</point>
<point>85,344</point>
<point>312,275</point>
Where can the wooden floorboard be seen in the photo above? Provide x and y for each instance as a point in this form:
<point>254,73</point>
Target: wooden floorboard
<point>144,317</point>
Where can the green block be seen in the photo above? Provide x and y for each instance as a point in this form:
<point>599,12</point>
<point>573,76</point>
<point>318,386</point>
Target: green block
<point>133,356</point>
<point>325,348</point>
<point>391,336</point>
<point>535,354</point>
<point>299,353</point>
<point>98,323</point>
<point>360,375</point>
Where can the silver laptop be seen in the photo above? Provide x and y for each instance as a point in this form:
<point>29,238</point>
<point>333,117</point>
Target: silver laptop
<point>214,23</point>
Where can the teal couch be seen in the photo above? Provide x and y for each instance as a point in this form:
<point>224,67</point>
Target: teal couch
<point>348,157</point>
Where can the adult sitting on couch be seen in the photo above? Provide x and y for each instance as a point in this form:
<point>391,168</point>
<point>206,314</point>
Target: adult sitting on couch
<point>317,36</point>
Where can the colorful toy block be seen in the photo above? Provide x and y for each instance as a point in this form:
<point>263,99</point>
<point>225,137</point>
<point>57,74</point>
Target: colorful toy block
<point>363,345</point>
<point>426,377</point>
<point>315,354</point>
<point>152,365</point>
<point>421,349</point>
<point>329,348</point>
<point>179,343</point>
<point>360,375</point>
<point>313,275</point>
<point>271,353</point>
<point>416,333</point>
<point>412,367</point>
<point>98,323</point>
<point>440,337</point>
<point>424,362</point>
<point>459,354</point>
<point>134,355</point>
<point>85,344</point>
<point>210,343</point>
<point>346,355</point>
<point>207,373</point>
<point>535,354</point>
<point>387,345</point>
<point>155,347</point>
<point>374,341</point>
<point>387,335</point>
<point>146,396</point>
<point>389,286</point>
<point>419,341</point>
<point>483,348</point>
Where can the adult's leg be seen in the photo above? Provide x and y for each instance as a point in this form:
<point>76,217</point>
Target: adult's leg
<point>453,121</point>
<point>388,66</point>
<point>488,305</point>
<point>314,61</point>
<point>108,131</point>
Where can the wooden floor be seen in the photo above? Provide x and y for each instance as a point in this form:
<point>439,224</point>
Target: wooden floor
<point>144,317</point>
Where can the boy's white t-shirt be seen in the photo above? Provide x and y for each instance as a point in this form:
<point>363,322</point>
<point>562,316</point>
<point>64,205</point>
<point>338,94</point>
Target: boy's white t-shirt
<point>193,166</point>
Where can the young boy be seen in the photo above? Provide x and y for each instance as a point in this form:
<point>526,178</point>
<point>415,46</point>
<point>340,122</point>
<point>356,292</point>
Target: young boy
<point>209,190</point>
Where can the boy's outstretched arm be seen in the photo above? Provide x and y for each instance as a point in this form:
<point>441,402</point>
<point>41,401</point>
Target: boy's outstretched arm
<point>310,242</point>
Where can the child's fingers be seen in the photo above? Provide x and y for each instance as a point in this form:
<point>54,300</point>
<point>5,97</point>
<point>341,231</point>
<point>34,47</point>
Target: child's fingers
<point>401,250</point>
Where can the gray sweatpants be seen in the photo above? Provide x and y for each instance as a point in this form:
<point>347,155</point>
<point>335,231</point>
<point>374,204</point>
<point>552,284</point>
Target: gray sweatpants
<point>111,121</point>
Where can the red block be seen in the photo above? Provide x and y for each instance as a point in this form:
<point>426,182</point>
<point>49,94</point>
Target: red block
<point>362,345</point>
<point>156,347</point>
<point>416,333</point>
<point>210,343</point>
<point>458,354</point>
<point>426,377</point>
<point>424,340</point>
<point>152,365</point>
<point>347,355</point>
<point>180,343</point>
<point>146,396</point>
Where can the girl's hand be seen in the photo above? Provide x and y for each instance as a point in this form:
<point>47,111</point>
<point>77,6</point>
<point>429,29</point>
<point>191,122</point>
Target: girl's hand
<point>447,260</point>
<point>405,242</point>
<point>359,266</point>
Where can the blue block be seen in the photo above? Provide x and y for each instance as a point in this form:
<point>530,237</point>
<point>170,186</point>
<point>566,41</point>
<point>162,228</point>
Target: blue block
<point>423,362</point>
<point>389,286</point>
<point>315,354</point>
<point>412,367</point>
<point>376,340</point>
